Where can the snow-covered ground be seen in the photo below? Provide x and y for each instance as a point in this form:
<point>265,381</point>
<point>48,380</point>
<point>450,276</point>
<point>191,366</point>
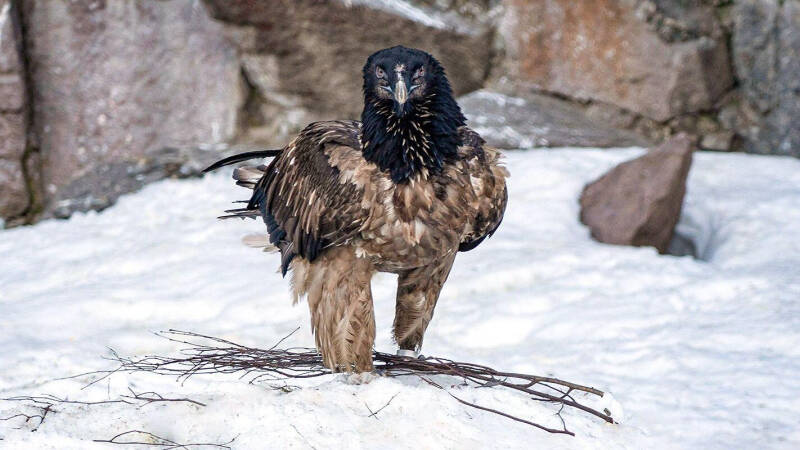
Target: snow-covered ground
<point>698,354</point>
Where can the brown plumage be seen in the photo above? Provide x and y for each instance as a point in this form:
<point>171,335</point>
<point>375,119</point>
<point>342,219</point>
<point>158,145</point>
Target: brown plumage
<point>340,204</point>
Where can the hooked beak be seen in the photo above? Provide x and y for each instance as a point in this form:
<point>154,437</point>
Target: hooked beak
<point>400,92</point>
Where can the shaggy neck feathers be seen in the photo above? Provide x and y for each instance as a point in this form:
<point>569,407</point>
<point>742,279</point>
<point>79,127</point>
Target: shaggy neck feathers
<point>425,137</point>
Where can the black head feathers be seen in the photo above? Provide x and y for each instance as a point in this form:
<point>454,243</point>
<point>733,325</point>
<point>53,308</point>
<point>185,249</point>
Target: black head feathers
<point>410,120</point>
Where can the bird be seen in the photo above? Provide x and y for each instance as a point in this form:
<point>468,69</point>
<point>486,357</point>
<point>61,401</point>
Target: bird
<point>402,191</point>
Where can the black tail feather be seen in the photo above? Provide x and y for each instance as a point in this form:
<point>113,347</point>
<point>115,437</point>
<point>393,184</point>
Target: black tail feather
<point>242,157</point>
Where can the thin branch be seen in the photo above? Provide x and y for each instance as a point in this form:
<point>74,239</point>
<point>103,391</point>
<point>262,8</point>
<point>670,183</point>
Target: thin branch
<point>500,413</point>
<point>375,414</point>
<point>158,441</point>
<point>209,355</point>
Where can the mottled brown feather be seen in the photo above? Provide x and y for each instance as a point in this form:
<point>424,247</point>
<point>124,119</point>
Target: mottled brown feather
<point>344,219</point>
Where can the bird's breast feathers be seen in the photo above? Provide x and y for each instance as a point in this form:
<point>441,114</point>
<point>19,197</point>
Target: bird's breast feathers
<point>321,192</point>
<point>426,218</point>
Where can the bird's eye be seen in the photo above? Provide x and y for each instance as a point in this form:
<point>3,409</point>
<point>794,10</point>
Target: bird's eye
<point>419,73</point>
<point>379,72</point>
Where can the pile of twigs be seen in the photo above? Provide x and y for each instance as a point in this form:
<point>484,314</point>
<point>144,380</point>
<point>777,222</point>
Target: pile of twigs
<point>212,355</point>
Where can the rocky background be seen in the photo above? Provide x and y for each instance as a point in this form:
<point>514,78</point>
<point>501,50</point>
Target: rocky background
<point>98,97</point>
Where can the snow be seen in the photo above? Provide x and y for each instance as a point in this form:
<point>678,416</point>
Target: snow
<point>692,353</point>
<point>430,17</point>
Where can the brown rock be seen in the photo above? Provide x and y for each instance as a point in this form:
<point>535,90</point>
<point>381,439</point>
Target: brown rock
<point>719,141</point>
<point>12,136</point>
<point>117,83</point>
<point>639,201</point>
<point>9,38</point>
<point>12,92</point>
<point>610,51</point>
<point>14,196</point>
<point>13,192</point>
<point>319,48</point>
<point>766,54</point>
<point>531,120</point>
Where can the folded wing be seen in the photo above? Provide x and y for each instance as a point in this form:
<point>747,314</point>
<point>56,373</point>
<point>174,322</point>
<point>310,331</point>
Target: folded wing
<point>305,203</point>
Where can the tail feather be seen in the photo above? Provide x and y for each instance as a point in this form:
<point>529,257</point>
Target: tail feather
<point>241,213</point>
<point>242,157</point>
<point>248,176</point>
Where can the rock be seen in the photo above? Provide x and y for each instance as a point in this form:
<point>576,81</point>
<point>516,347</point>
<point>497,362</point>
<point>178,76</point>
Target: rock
<point>538,121</point>
<point>14,196</point>
<point>12,136</point>
<point>319,48</point>
<point>615,52</point>
<point>679,20</point>
<point>766,54</point>
<point>13,191</point>
<point>116,84</point>
<point>719,141</point>
<point>639,201</point>
<point>10,61</point>
<point>12,92</point>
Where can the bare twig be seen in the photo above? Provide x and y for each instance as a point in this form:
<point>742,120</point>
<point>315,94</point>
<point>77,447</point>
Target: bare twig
<point>157,441</point>
<point>44,411</point>
<point>302,437</point>
<point>203,355</point>
<point>375,413</point>
<point>500,413</point>
<point>46,404</point>
<point>154,397</point>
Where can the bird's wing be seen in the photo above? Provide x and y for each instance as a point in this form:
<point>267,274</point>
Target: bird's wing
<point>488,180</point>
<point>306,200</point>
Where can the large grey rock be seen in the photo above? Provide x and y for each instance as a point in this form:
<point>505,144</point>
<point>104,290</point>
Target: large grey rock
<point>538,121</point>
<point>117,83</point>
<point>10,60</point>
<point>14,197</point>
<point>13,190</point>
<point>639,201</point>
<point>615,51</point>
<point>680,20</point>
<point>766,49</point>
<point>12,136</point>
<point>303,58</point>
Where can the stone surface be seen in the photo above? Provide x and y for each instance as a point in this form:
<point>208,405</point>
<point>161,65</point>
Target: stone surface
<point>12,92</point>
<point>9,39</point>
<point>719,141</point>
<point>610,51</point>
<point>12,136</point>
<point>766,54</point>
<point>680,20</point>
<point>316,51</point>
<point>639,201</point>
<point>509,122</point>
<point>14,196</point>
<point>13,191</point>
<point>117,83</point>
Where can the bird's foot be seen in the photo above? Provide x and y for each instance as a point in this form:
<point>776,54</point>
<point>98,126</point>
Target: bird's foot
<point>361,377</point>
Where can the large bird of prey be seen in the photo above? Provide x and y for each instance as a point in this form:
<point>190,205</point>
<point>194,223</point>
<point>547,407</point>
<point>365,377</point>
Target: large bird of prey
<point>402,191</point>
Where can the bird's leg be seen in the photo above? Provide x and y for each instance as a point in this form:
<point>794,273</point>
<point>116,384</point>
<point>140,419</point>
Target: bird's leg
<point>417,292</point>
<point>340,300</point>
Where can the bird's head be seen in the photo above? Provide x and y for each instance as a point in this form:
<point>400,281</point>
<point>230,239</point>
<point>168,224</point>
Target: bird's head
<point>410,119</point>
<point>400,77</point>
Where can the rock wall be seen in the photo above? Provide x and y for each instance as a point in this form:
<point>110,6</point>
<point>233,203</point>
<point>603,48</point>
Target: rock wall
<point>722,70</point>
<point>14,199</point>
<point>302,59</point>
<point>606,50</point>
<point>98,97</point>
<point>766,52</point>
<point>118,83</point>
